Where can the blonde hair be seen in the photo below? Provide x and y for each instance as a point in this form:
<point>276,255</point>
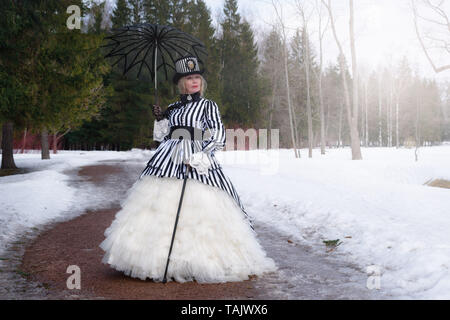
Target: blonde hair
<point>182,87</point>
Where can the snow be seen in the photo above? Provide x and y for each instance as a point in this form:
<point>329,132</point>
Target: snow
<point>44,194</point>
<point>394,221</point>
<point>378,207</point>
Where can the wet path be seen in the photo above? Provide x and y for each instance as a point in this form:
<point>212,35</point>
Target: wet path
<point>304,272</point>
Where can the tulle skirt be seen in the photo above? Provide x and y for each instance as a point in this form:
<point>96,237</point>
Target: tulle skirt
<point>213,242</point>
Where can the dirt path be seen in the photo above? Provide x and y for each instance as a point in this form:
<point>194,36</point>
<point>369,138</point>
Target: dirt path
<point>304,272</point>
<point>75,242</point>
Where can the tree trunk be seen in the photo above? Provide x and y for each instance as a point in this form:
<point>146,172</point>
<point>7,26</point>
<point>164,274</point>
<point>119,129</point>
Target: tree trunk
<point>352,118</point>
<point>327,125</point>
<point>322,116</point>
<point>291,113</point>
<point>24,141</point>
<point>397,140</point>
<point>366,103</point>
<point>7,146</point>
<point>416,151</point>
<point>321,106</point>
<point>340,124</point>
<point>380,136</point>
<point>389,116</point>
<point>308,94</point>
<point>45,152</point>
<point>55,143</point>
<point>354,135</point>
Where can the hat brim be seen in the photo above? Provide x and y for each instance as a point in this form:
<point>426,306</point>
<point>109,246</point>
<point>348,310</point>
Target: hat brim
<point>178,76</point>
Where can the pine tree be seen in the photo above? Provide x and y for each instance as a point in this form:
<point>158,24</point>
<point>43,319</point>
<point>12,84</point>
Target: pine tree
<point>271,70</point>
<point>231,63</point>
<point>200,25</point>
<point>137,11</point>
<point>240,83</point>
<point>157,11</point>
<point>251,84</point>
<point>96,16</point>
<point>121,14</point>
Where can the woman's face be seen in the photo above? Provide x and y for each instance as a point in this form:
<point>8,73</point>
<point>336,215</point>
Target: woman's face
<point>192,83</point>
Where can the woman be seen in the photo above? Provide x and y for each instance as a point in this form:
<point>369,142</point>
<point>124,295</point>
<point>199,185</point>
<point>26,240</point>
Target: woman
<point>215,240</point>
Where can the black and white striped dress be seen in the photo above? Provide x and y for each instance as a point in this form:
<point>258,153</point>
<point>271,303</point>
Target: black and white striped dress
<point>167,161</point>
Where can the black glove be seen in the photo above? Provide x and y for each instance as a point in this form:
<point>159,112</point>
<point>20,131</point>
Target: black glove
<point>159,115</point>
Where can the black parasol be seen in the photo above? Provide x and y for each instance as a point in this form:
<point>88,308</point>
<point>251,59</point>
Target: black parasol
<point>144,49</point>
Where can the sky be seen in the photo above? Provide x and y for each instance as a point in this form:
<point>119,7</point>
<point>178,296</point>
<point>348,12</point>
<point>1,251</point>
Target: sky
<point>384,30</point>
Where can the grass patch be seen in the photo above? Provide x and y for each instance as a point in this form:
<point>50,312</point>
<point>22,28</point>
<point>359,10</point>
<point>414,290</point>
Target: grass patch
<point>440,183</point>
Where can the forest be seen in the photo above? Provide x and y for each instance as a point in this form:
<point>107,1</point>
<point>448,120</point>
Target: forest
<point>57,85</point>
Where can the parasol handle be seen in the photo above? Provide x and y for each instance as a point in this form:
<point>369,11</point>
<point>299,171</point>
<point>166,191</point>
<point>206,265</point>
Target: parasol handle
<point>156,73</point>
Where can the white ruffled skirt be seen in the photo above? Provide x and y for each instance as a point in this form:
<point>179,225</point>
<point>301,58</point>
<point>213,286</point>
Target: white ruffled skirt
<point>213,242</point>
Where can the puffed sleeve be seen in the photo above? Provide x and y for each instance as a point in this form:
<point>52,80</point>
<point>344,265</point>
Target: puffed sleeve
<point>214,124</point>
<point>160,129</point>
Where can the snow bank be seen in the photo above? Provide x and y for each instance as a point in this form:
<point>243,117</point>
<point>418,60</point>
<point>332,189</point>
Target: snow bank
<point>378,207</point>
<point>31,199</point>
<point>394,221</point>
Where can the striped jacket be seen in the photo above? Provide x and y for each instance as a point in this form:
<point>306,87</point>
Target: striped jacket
<point>168,159</point>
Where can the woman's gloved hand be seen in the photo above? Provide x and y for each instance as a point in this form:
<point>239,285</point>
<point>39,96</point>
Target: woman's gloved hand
<point>157,112</point>
<point>200,162</point>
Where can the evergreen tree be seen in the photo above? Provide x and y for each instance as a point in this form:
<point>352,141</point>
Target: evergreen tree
<point>251,83</point>
<point>297,78</point>
<point>239,80</point>
<point>96,16</point>
<point>200,25</point>
<point>137,11</point>
<point>121,14</point>
<point>157,11</point>
<point>231,63</point>
<point>272,73</point>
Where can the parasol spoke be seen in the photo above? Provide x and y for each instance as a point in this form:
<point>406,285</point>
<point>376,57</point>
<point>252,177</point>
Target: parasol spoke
<point>115,53</point>
<point>132,63</point>
<point>176,49</point>
<point>169,53</point>
<point>143,60</point>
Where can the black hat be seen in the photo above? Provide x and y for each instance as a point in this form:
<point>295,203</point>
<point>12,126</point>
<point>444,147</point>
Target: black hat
<point>186,66</point>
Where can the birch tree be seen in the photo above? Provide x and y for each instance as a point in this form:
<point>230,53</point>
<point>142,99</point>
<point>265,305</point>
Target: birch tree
<point>319,75</point>
<point>279,15</point>
<point>440,39</point>
<point>306,68</point>
<point>352,115</point>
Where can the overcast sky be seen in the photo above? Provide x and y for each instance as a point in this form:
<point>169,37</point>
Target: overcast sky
<point>384,30</point>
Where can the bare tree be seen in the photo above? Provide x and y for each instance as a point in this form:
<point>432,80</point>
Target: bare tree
<point>380,129</point>
<point>401,81</point>
<point>319,76</point>
<point>272,68</point>
<point>352,115</point>
<point>440,19</point>
<point>279,14</point>
<point>307,68</point>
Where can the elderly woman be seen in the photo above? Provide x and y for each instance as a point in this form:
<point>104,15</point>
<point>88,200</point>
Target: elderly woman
<point>215,240</point>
